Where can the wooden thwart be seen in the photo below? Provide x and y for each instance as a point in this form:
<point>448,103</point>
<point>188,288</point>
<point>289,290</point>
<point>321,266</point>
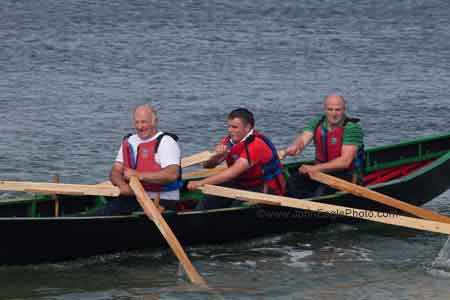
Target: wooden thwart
<point>59,188</point>
<point>370,215</point>
<point>361,191</point>
<point>153,213</point>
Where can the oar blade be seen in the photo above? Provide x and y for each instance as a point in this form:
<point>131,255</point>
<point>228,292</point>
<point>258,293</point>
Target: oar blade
<point>154,214</point>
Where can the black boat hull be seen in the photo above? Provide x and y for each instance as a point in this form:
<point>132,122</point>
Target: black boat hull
<point>27,240</point>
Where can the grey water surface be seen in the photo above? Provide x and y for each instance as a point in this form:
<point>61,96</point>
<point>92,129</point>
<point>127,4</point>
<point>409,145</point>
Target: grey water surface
<point>71,71</point>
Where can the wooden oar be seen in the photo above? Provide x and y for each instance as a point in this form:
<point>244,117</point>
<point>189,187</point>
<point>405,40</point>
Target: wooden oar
<point>105,183</point>
<point>204,172</point>
<point>154,214</point>
<point>59,188</point>
<point>361,191</point>
<point>55,197</point>
<point>196,158</point>
<point>375,216</point>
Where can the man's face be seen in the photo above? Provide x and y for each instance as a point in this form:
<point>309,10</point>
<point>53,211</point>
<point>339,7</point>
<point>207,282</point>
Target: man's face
<point>144,123</point>
<point>237,129</point>
<point>334,111</point>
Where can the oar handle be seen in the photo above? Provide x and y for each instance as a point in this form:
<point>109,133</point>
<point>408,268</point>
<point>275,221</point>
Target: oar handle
<point>282,154</point>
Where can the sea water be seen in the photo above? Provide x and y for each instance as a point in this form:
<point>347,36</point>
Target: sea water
<point>72,71</point>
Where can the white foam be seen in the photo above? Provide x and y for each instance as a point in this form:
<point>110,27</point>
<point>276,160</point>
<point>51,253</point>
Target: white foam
<point>298,258</point>
<point>440,267</point>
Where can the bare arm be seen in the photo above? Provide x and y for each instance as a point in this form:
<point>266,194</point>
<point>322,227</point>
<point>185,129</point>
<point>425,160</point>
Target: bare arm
<point>218,158</point>
<point>117,178</point>
<point>342,162</point>
<point>163,176</point>
<point>300,143</point>
<point>240,166</point>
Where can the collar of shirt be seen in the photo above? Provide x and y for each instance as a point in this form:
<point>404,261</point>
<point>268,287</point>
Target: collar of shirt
<point>149,139</point>
<point>340,123</point>
<point>245,137</point>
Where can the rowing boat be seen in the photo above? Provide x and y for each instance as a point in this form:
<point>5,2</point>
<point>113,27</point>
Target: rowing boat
<point>32,232</point>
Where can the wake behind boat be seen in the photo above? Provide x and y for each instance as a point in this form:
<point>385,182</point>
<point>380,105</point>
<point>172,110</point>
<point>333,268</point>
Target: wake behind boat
<point>414,171</point>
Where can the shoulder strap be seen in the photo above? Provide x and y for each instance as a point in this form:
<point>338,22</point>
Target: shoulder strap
<point>159,138</point>
<point>249,140</point>
<point>127,136</point>
<point>178,182</point>
<point>319,123</point>
<point>353,120</point>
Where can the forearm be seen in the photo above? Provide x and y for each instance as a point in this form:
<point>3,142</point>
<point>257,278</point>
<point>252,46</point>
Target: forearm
<point>222,177</point>
<point>117,178</point>
<point>337,164</point>
<point>214,161</point>
<point>239,167</point>
<point>343,162</point>
<point>299,143</point>
<point>163,176</point>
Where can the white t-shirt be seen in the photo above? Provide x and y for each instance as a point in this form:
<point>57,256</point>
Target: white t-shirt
<point>169,153</point>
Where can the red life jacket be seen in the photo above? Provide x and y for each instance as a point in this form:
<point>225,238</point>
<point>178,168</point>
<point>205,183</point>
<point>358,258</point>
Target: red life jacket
<point>328,144</point>
<point>269,172</point>
<point>145,162</point>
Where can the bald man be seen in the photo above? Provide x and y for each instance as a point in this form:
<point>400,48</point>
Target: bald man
<point>153,157</point>
<point>339,149</point>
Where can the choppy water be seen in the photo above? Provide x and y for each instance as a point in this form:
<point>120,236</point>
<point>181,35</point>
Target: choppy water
<point>71,71</point>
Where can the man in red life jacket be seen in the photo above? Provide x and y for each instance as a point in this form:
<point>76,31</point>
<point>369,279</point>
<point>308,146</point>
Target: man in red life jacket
<point>252,159</point>
<point>150,155</point>
<point>339,149</point>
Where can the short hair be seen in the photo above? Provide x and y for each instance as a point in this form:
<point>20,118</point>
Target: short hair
<point>334,95</point>
<point>151,110</point>
<point>243,114</point>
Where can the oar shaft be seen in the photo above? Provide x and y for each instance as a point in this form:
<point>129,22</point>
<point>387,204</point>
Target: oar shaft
<point>204,172</point>
<point>370,215</point>
<point>58,188</point>
<point>154,214</point>
<point>361,191</point>
<point>196,158</point>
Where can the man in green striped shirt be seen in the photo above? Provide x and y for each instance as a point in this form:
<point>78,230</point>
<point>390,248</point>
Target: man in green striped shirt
<point>338,143</point>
